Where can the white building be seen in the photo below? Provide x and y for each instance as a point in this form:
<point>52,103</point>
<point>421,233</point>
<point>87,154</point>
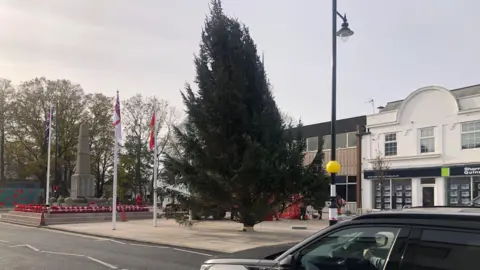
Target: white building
<point>430,142</point>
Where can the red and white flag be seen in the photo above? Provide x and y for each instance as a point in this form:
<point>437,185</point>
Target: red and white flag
<point>151,143</point>
<point>117,120</point>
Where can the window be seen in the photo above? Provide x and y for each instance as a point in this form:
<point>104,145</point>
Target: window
<point>427,140</point>
<point>327,142</point>
<point>390,144</point>
<point>352,248</point>
<point>351,139</point>
<point>344,140</point>
<point>459,190</point>
<point>471,135</point>
<point>392,193</point>
<point>427,181</point>
<point>341,140</point>
<point>444,250</point>
<point>351,193</point>
<point>346,187</point>
<point>312,144</point>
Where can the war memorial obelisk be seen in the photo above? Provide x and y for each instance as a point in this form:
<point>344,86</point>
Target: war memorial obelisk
<point>83,182</point>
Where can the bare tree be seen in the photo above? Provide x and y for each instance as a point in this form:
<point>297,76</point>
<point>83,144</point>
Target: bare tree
<point>168,118</point>
<point>380,167</point>
<point>6,96</point>
<point>137,114</point>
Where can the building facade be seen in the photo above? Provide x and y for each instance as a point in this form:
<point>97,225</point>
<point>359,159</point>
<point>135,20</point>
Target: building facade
<point>318,136</point>
<point>423,150</point>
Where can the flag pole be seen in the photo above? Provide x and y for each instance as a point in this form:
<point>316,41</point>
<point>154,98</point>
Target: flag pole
<point>155,164</point>
<point>114,199</point>
<point>117,122</point>
<point>47,189</point>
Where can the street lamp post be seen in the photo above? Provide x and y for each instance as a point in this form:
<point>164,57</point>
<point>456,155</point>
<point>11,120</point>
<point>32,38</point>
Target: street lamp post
<point>333,167</point>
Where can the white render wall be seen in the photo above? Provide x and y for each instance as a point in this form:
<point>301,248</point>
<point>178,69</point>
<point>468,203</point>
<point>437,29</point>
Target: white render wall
<point>431,106</point>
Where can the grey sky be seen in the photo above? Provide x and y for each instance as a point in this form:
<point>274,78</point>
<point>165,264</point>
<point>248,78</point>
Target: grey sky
<point>147,46</point>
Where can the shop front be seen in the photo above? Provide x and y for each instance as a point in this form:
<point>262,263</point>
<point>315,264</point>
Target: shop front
<point>427,186</point>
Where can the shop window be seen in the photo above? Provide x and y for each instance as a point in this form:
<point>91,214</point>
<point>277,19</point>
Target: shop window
<point>471,135</point>
<point>392,194</point>
<point>390,144</point>
<point>347,191</point>
<point>341,190</point>
<point>427,140</point>
<point>458,190</point>
<point>312,144</point>
<point>352,193</point>
<point>382,198</point>
<point>476,186</point>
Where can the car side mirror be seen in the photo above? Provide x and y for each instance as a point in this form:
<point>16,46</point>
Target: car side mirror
<point>288,263</point>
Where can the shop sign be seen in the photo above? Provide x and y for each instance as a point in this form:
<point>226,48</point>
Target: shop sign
<point>471,170</point>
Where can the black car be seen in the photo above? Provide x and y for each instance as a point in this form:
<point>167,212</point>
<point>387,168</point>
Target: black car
<point>438,238</point>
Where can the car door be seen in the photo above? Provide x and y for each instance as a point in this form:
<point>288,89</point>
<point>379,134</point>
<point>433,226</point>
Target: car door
<point>355,247</point>
<point>442,249</point>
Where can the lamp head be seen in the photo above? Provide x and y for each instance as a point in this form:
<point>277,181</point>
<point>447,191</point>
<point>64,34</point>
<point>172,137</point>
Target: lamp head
<point>345,32</point>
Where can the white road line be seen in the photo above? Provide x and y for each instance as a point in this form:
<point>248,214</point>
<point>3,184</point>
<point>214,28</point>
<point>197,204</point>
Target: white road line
<point>61,253</point>
<point>111,240</point>
<point>28,246</point>
<point>32,248</point>
<point>150,246</point>
<point>115,241</point>
<point>194,252</point>
<point>3,241</point>
<point>103,263</point>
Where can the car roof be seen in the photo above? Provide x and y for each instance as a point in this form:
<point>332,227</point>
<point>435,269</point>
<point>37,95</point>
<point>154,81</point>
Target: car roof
<point>446,214</point>
<point>449,218</point>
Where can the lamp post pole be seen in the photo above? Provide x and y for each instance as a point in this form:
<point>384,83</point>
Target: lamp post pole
<point>333,167</point>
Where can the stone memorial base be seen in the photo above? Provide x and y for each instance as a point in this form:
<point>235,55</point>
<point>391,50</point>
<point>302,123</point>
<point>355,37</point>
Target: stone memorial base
<point>82,186</point>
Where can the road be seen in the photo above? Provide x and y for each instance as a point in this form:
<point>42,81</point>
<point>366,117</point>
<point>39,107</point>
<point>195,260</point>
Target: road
<point>30,248</point>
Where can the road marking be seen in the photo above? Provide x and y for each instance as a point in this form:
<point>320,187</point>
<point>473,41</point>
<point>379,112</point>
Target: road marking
<point>194,252</point>
<point>3,241</point>
<point>111,240</point>
<point>61,253</point>
<point>151,246</point>
<point>28,246</point>
<point>32,248</point>
<point>118,242</point>
<point>103,263</point>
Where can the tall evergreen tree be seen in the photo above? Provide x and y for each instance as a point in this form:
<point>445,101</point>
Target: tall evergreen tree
<point>236,151</point>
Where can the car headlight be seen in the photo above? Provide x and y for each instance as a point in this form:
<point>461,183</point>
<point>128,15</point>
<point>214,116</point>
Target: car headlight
<point>205,266</point>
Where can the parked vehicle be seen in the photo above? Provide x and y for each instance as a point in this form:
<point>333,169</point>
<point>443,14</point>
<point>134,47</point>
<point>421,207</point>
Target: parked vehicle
<point>446,238</point>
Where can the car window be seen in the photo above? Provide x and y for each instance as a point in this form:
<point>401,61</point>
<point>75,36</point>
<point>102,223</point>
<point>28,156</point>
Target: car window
<point>358,248</point>
<point>445,250</point>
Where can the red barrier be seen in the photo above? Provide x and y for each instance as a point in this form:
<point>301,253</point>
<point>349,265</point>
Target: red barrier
<point>39,208</point>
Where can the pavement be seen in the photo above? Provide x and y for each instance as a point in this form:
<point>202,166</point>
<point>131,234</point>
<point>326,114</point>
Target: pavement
<point>216,236</point>
<point>29,248</point>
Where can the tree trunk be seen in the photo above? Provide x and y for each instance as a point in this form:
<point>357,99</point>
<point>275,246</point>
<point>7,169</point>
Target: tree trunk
<point>248,220</point>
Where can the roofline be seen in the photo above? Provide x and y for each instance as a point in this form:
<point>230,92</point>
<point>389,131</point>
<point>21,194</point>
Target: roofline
<point>456,89</point>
